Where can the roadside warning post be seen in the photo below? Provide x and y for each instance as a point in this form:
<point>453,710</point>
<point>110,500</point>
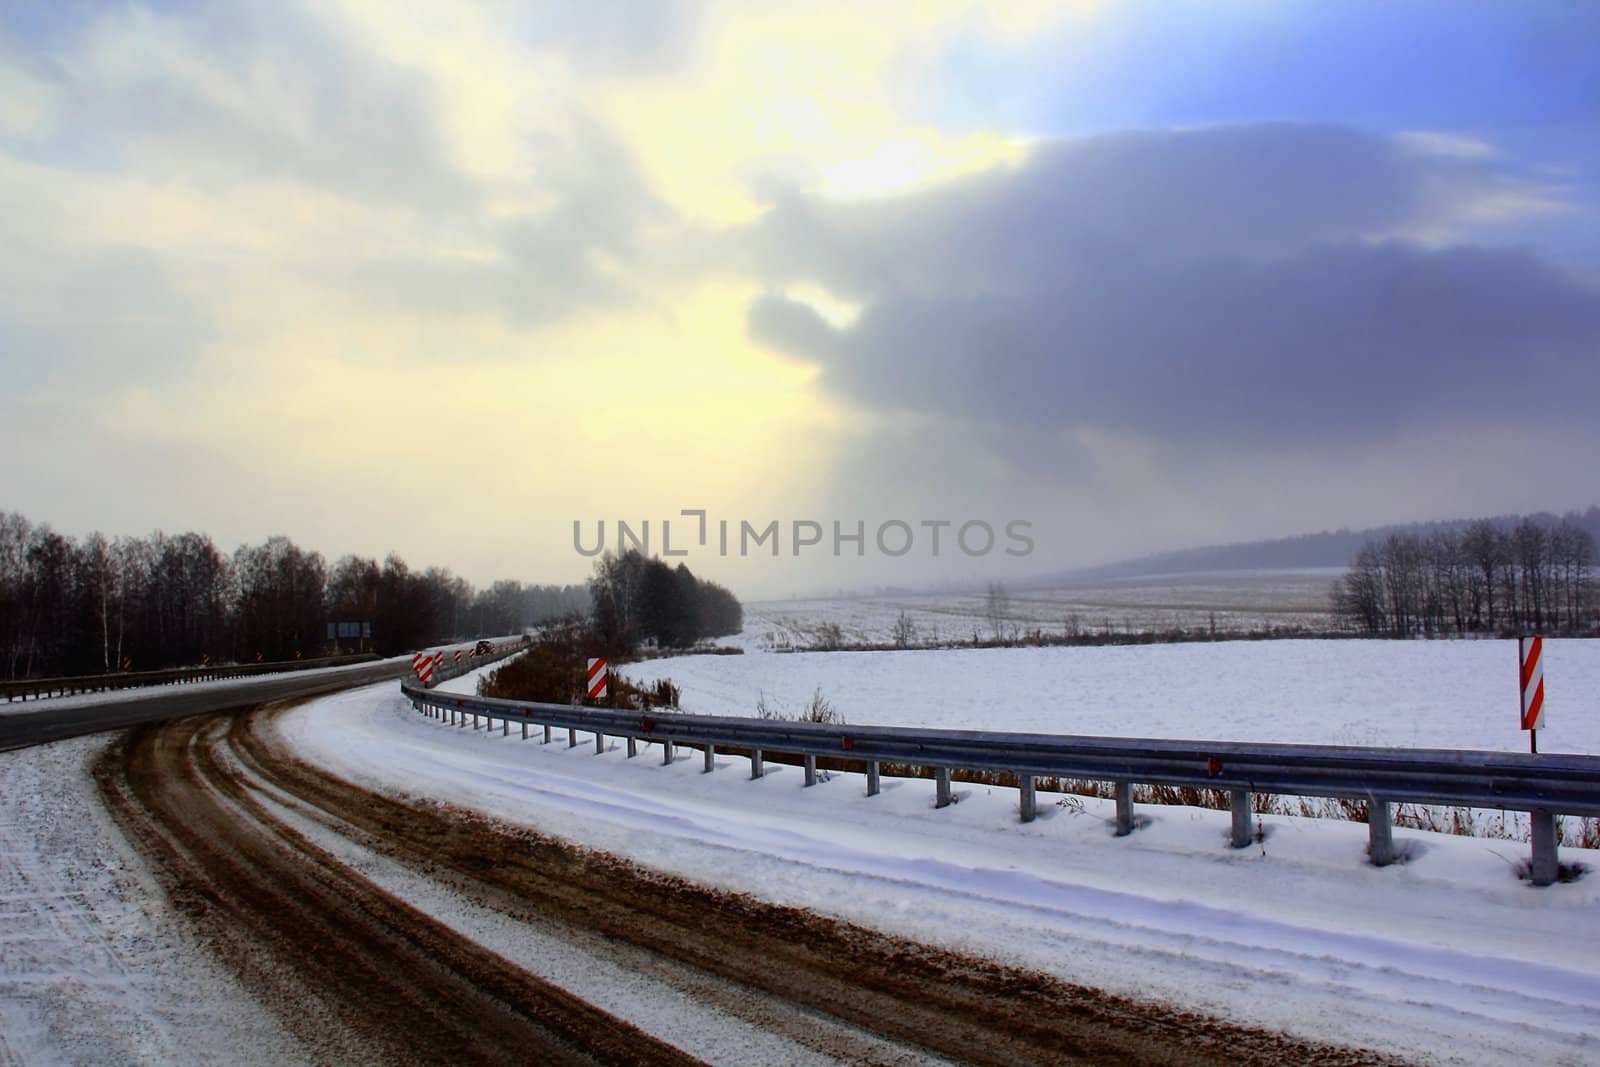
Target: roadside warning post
<point>1530,656</point>
<point>597,675</point>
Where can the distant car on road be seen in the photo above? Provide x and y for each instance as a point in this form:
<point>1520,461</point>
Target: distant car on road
<point>483,649</point>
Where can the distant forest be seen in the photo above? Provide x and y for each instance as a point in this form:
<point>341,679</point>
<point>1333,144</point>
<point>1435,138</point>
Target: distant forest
<point>101,604</point>
<point>1328,549</point>
<point>1533,573</point>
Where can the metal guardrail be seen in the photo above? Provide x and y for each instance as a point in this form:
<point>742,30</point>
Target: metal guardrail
<point>504,648</point>
<point>1544,786</point>
<point>40,688</point>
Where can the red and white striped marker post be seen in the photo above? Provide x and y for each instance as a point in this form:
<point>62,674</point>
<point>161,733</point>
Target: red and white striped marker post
<point>597,677</point>
<point>458,656</point>
<point>429,665</point>
<point>1530,654</point>
<point>417,660</point>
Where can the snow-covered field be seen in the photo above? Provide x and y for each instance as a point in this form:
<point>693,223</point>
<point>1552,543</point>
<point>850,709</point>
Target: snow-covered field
<point>1419,694</point>
<point>1447,958</point>
<point>1231,602</point>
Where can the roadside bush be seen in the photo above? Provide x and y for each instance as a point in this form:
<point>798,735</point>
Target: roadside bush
<point>552,671</point>
<point>817,709</point>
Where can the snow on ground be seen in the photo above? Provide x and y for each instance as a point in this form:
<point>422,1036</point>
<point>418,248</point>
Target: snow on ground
<point>1417,694</point>
<point>93,967</point>
<point>1447,957</point>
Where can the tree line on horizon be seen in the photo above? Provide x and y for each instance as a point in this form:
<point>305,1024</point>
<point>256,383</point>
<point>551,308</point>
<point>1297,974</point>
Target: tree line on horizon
<point>1493,576</point>
<point>103,604</point>
<point>1326,548</point>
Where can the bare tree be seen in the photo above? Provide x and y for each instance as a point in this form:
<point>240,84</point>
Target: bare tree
<point>905,631</point>
<point>997,609</point>
<point>1530,544</point>
<point>1487,551</point>
<point>15,530</point>
<point>1358,596</point>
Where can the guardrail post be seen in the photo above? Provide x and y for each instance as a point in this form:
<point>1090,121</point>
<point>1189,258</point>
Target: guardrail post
<point>711,758</point>
<point>666,753</point>
<point>599,743</point>
<point>475,725</point>
<point>572,737</point>
<point>1124,795</point>
<point>1546,867</point>
<point>1380,833</point>
<point>872,777</point>
<point>756,767</point>
<point>1241,818</point>
<point>505,727</point>
<point>1027,800</point>
<point>547,734</point>
<point>811,769</point>
<point>633,747</point>
<point>941,787</point>
<point>524,731</point>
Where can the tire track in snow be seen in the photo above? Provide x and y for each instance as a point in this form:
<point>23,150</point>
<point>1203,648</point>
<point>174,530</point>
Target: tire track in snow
<point>357,973</point>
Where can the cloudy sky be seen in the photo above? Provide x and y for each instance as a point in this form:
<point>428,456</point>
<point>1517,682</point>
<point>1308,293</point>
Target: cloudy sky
<point>446,279</point>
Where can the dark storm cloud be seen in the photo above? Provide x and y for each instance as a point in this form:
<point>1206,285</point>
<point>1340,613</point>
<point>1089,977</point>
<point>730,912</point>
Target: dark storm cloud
<point>1238,287</point>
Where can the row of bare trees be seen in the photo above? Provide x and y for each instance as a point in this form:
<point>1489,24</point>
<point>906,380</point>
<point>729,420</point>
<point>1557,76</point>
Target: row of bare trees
<point>103,604</point>
<point>1534,574</point>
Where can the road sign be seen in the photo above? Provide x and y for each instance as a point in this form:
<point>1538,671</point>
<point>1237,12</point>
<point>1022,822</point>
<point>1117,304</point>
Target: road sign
<point>1530,655</point>
<point>597,676</point>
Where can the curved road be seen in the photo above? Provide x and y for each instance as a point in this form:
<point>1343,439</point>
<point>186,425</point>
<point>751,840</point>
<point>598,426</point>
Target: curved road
<point>360,974</point>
